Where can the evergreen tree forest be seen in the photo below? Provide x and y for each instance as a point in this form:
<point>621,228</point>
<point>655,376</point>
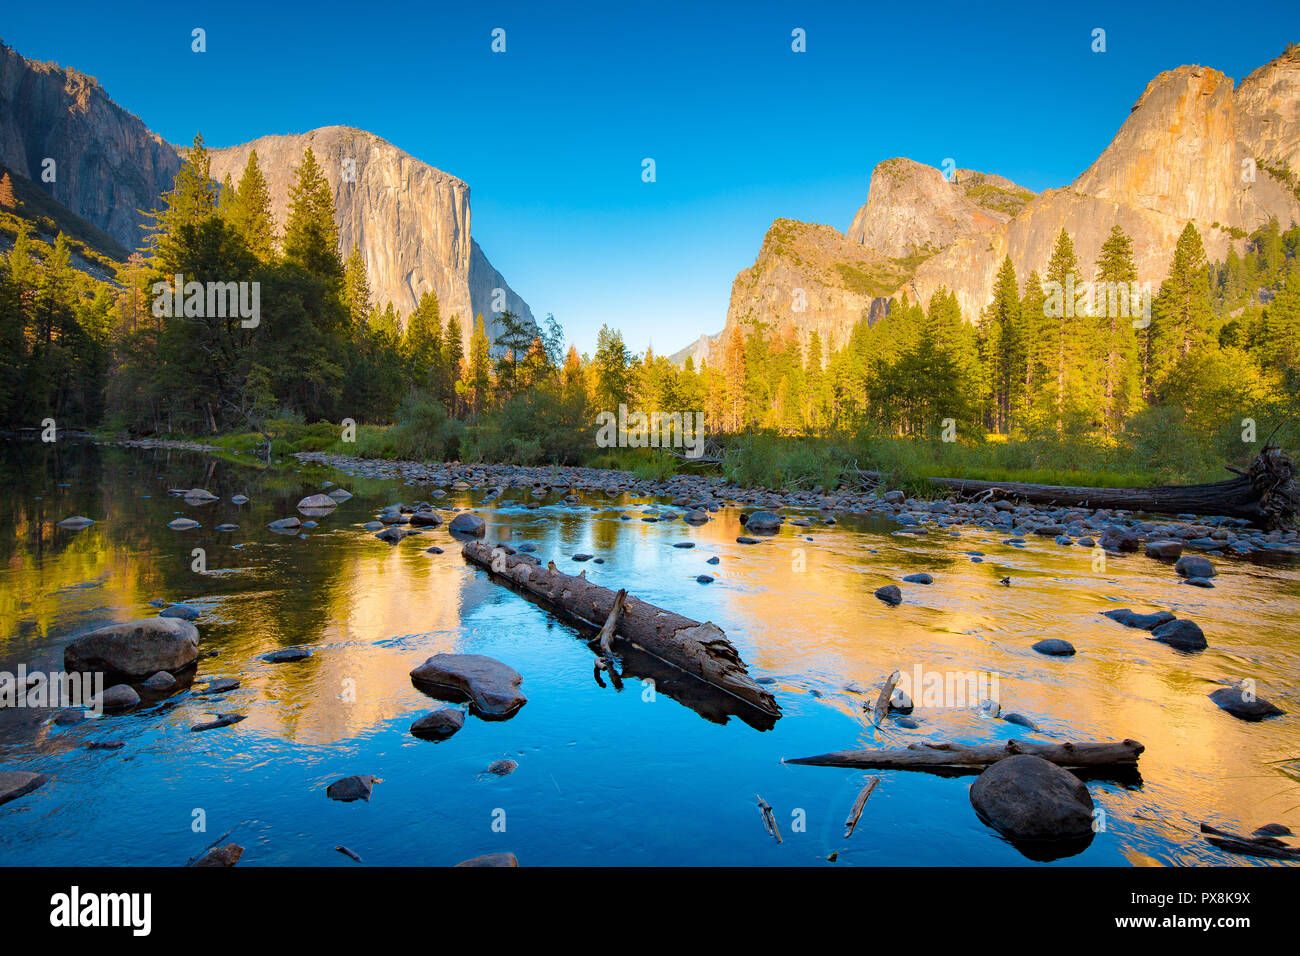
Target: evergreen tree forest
<point>1222,344</point>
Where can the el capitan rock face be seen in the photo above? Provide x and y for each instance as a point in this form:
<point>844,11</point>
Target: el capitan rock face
<point>410,220</point>
<point>107,163</point>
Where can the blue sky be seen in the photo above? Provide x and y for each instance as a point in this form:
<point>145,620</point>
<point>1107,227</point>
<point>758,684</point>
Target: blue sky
<point>551,134</point>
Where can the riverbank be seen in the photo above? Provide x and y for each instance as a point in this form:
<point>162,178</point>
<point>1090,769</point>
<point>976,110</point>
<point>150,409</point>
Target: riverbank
<point>1111,530</point>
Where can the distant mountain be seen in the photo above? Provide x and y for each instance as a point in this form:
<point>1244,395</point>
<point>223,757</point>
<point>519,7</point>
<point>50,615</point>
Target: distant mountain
<point>1191,149</point>
<point>410,220</point>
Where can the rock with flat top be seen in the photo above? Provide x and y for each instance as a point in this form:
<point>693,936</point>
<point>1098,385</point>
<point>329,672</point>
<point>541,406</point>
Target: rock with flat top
<point>19,783</point>
<point>491,687</point>
<point>492,859</point>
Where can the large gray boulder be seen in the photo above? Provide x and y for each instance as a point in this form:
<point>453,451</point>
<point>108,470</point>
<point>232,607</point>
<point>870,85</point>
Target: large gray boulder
<point>135,649</point>
<point>1029,799</point>
<point>467,523</point>
<point>1237,702</point>
<point>491,687</point>
<point>763,522</point>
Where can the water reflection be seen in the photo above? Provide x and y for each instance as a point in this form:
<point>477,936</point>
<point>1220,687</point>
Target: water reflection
<point>605,775</point>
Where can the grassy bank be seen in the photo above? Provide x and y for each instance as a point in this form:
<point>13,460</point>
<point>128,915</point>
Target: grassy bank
<point>1163,451</point>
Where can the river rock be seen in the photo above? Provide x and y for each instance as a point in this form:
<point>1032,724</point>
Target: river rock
<point>891,594</point>
<point>287,656</point>
<point>763,522</point>
<point>19,783</point>
<point>290,523</point>
<point>226,856</point>
<point>222,685</point>
<point>439,725</point>
<point>1164,550</point>
<point>183,611</point>
<point>348,789</point>
<point>1233,700</point>
<point>338,494</point>
<point>1145,622</point>
<point>695,517</point>
<point>317,506</point>
<point>492,859</point>
<point>502,768</point>
<point>239,500</point>
<point>1027,798</point>
<point>426,519</point>
<point>467,523</point>
<point>900,702</point>
<point>1195,566</point>
<point>160,682</point>
<point>135,649</point>
<point>491,687</point>
<point>704,578</point>
<point>117,698</point>
<point>1182,634</point>
<point>222,720</point>
<point>1116,538</point>
<point>183,524</point>
<point>199,496</point>
<point>76,523</point>
<point>1020,720</point>
<point>394,534</point>
<point>1054,647</point>
<point>920,578</point>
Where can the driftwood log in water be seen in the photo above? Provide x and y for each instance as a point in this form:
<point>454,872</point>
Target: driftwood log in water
<point>921,756</point>
<point>1266,493</point>
<point>701,650</point>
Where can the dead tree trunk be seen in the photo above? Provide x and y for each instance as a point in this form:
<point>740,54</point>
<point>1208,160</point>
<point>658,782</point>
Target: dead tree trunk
<point>926,756</point>
<point>1265,494</point>
<point>701,650</point>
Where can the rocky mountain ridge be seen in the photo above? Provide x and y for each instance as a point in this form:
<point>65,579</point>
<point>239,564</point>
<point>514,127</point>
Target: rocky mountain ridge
<point>1193,148</point>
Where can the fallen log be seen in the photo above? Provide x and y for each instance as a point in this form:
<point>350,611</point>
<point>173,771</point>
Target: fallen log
<point>701,650</point>
<point>923,756</point>
<point>882,702</point>
<point>1266,493</point>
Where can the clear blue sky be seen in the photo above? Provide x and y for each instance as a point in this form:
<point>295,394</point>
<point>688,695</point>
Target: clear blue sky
<point>551,134</point>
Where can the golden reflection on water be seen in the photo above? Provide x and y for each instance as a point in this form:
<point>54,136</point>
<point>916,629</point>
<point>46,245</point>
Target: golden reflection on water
<point>802,611</point>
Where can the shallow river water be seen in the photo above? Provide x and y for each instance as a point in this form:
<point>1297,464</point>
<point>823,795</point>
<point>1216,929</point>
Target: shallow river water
<point>605,776</point>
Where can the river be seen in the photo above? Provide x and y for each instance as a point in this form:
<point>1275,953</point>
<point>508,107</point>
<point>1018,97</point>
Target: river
<point>645,775</point>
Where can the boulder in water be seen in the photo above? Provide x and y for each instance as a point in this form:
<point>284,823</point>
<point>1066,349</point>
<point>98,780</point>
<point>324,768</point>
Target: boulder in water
<point>135,649</point>
<point>491,687</point>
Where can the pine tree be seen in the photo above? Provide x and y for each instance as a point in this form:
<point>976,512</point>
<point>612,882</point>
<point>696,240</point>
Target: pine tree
<point>311,236</point>
<point>478,367</point>
<point>612,383</point>
<point>249,210</point>
<point>1117,344</point>
<point>1003,347</point>
<point>1181,316</point>
<point>356,289</point>
<point>453,358</point>
<point>422,345</point>
<point>191,201</point>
